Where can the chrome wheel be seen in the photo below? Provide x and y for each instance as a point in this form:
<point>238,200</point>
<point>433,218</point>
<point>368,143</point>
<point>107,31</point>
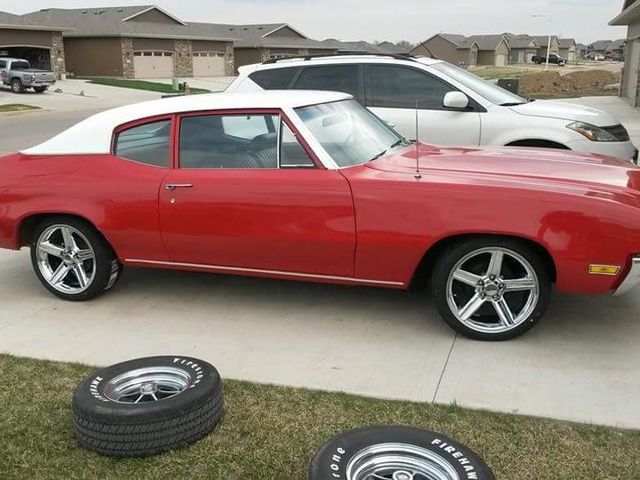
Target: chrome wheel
<point>398,461</point>
<point>145,385</point>
<point>492,290</point>
<point>66,259</point>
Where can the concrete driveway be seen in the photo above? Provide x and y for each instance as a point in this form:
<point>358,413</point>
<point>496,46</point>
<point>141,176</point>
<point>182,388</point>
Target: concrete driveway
<point>581,363</point>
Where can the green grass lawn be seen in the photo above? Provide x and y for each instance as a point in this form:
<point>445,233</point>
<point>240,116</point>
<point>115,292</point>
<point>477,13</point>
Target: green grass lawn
<point>16,107</point>
<point>270,433</point>
<point>140,85</point>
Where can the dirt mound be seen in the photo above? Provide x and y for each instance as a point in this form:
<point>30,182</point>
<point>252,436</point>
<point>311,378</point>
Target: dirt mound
<point>583,83</point>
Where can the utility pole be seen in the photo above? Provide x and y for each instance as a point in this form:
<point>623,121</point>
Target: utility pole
<point>548,18</point>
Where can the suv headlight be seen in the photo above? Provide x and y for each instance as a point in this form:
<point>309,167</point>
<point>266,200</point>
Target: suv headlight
<point>593,133</point>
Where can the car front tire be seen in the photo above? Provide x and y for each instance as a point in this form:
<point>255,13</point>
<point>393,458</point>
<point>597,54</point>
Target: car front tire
<point>16,86</point>
<point>72,260</point>
<point>491,288</point>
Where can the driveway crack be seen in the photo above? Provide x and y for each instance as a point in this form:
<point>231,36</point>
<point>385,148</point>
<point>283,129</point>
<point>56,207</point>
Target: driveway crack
<point>444,368</point>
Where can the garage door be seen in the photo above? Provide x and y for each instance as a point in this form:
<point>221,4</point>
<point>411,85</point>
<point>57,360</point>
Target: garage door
<point>501,59</point>
<point>153,64</point>
<point>208,64</point>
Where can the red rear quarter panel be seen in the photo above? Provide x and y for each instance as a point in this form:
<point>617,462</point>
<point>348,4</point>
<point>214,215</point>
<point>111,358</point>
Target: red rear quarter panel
<point>118,196</point>
<point>400,217</point>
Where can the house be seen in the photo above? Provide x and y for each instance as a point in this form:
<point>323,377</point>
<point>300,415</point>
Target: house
<point>599,47</point>
<point>139,42</point>
<point>543,44</point>
<point>390,47</point>
<point>257,43</point>
<point>617,47</point>
<point>522,48</point>
<point>581,50</point>
<point>630,85</point>
<point>461,50</point>
<point>568,49</point>
<point>41,44</point>
<point>355,47</point>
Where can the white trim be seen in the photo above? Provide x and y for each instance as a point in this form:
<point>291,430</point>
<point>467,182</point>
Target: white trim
<point>154,7</point>
<point>266,272</point>
<point>284,26</point>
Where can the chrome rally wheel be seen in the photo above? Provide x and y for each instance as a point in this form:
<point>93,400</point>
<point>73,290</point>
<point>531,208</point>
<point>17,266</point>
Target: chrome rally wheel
<point>491,289</point>
<point>151,384</point>
<point>390,452</point>
<point>66,259</point>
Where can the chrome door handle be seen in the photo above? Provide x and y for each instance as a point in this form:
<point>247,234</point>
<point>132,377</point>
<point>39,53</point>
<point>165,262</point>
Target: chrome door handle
<point>172,186</point>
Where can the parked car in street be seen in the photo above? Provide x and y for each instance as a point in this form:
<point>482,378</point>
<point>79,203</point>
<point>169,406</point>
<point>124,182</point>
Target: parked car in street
<point>18,74</point>
<point>553,58</point>
<point>598,57</point>
<point>455,107</point>
<point>312,186</point>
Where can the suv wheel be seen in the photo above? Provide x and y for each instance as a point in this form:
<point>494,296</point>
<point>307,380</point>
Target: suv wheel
<point>491,288</point>
<point>16,85</point>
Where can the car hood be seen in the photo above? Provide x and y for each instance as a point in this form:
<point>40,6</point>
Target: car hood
<point>524,166</point>
<point>565,111</point>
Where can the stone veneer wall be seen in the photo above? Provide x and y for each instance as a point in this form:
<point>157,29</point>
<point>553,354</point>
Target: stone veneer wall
<point>58,64</point>
<point>229,64</point>
<point>183,59</point>
<point>128,70</point>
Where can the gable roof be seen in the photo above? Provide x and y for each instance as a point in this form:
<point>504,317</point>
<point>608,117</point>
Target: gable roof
<point>457,40</point>
<point>262,36</point>
<point>521,41</point>
<point>484,42</point>
<point>120,22</point>
<point>567,42</point>
<point>391,47</point>
<point>358,46</point>
<point>149,9</point>
<point>18,22</point>
<point>599,45</point>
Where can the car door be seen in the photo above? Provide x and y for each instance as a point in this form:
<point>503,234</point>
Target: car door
<point>394,91</point>
<point>246,196</point>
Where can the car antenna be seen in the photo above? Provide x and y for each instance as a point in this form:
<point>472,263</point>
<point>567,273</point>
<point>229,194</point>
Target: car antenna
<point>418,175</point>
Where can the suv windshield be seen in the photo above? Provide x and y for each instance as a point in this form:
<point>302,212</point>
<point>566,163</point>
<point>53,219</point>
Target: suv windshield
<point>485,89</point>
<point>20,66</point>
<point>349,133</point>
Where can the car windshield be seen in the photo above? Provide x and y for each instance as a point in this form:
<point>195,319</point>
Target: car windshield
<point>485,89</point>
<point>349,133</point>
<point>20,66</point>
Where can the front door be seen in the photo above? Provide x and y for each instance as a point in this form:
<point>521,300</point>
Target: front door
<point>393,92</point>
<point>247,196</point>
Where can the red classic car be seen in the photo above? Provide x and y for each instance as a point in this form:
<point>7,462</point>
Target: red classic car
<point>311,186</point>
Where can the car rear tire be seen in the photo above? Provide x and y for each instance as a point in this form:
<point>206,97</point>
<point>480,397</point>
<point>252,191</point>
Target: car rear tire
<point>40,89</point>
<point>148,406</point>
<point>72,260</point>
<point>396,453</point>
<point>491,288</point>
<point>16,86</point>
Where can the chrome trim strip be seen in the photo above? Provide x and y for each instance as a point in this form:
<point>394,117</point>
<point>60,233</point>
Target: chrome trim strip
<point>268,272</point>
<point>632,279</point>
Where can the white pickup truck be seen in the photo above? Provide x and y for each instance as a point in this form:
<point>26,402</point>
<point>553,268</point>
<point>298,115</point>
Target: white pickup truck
<point>18,74</point>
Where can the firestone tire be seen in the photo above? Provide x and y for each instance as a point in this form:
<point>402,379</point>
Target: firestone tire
<point>396,452</point>
<point>179,401</point>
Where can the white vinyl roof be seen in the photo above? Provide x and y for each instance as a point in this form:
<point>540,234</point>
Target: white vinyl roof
<point>93,135</point>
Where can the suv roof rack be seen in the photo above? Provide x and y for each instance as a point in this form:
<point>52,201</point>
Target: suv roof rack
<point>397,56</point>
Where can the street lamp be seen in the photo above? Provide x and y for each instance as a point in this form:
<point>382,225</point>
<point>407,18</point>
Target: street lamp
<point>548,18</point>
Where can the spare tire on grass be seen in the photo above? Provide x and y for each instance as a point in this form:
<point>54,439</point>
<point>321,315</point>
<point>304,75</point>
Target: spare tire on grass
<point>148,406</point>
<point>396,453</point>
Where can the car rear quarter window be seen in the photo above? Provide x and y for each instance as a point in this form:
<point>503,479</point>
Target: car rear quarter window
<point>393,86</point>
<point>335,78</point>
<point>148,143</point>
<point>273,79</point>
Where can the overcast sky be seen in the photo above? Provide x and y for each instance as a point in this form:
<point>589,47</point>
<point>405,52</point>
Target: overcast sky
<point>413,20</point>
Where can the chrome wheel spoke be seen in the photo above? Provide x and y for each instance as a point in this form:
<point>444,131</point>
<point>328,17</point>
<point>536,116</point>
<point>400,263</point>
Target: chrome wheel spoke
<point>471,307</point>
<point>495,264</point>
<point>81,275</point>
<point>69,241</point>
<point>519,284</point>
<point>51,249</point>
<point>60,274</point>
<point>466,277</point>
<point>504,312</point>
<point>83,255</point>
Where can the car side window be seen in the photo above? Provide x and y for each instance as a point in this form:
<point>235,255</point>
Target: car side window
<point>273,79</point>
<point>335,78</point>
<point>292,153</point>
<point>229,141</point>
<point>3,64</point>
<point>148,143</point>
<point>400,87</point>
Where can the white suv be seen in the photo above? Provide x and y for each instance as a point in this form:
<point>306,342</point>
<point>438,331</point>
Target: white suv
<point>455,107</point>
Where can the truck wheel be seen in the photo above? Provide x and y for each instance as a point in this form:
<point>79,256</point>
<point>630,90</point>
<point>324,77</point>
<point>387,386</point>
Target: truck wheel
<point>148,406</point>
<point>537,61</point>
<point>16,85</point>
<point>396,453</point>
<point>40,89</point>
